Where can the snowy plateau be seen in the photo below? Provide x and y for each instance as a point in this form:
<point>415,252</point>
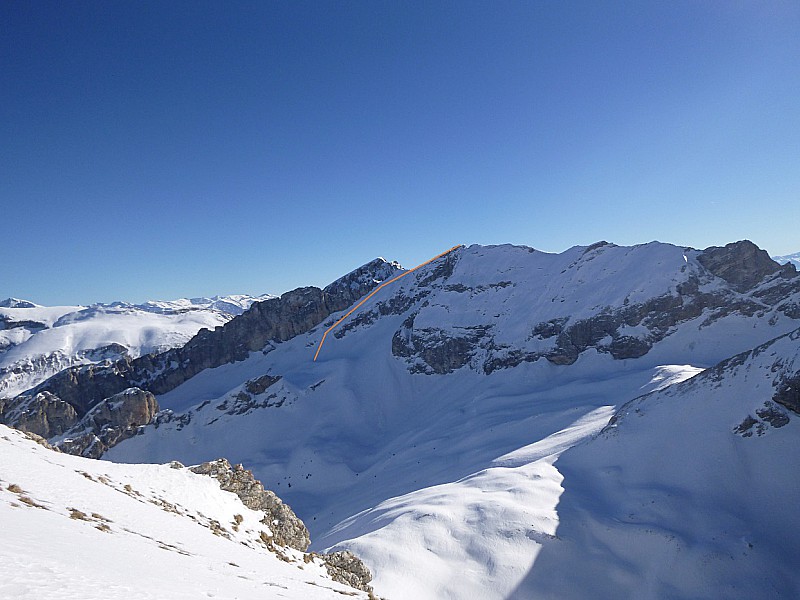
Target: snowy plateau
<point>606,422</point>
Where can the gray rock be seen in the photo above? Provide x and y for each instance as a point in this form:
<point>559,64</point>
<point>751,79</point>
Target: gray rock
<point>287,529</point>
<point>345,567</point>
<point>43,414</point>
<point>440,351</point>
<point>773,415</point>
<point>260,384</point>
<point>742,264</point>
<point>110,422</point>
<point>788,393</point>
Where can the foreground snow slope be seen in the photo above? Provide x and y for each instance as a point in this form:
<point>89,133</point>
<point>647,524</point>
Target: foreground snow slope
<point>690,493</point>
<point>79,528</point>
<point>38,341</point>
<point>426,433</point>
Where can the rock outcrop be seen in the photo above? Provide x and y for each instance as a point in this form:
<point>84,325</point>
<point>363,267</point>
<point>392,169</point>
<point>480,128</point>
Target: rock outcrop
<point>271,321</point>
<point>742,264</point>
<point>110,422</point>
<point>345,567</point>
<point>42,413</point>
<point>287,529</point>
<point>788,393</point>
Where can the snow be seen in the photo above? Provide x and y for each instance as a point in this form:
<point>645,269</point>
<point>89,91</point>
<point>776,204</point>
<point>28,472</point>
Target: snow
<point>671,502</point>
<point>468,485</point>
<point>788,258</point>
<point>70,335</point>
<point>490,523</point>
<point>78,528</point>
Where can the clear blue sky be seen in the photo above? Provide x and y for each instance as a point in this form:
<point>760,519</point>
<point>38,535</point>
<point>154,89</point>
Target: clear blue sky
<point>168,149</point>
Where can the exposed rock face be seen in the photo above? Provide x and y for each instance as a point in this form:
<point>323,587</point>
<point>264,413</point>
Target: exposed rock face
<point>742,264</point>
<point>345,567</point>
<point>752,284</point>
<point>110,422</point>
<point>440,352</point>
<point>260,384</point>
<point>270,321</point>
<point>9,323</point>
<point>43,414</point>
<point>788,393</point>
<point>287,529</point>
<point>769,415</point>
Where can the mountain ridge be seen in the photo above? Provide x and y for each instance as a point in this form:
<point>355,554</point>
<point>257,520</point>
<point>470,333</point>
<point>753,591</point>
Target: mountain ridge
<point>429,435</point>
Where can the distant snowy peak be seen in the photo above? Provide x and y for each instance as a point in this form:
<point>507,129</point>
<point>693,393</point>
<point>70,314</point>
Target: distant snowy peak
<point>17,303</point>
<point>234,304</point>
<point>37,342</point>
<point>793,259</point>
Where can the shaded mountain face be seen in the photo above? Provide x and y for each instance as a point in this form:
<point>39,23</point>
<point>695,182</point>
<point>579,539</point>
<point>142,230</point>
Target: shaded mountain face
<point>463,380</point>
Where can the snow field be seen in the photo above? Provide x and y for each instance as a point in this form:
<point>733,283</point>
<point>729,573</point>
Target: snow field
<point>78,528</point>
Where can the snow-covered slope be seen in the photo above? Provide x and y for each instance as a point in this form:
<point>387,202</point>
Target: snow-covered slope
<point>38,341</point>
<point>690,493</point>
<point>78,528</point>
<point>425,435</point>
<point>788,258</point>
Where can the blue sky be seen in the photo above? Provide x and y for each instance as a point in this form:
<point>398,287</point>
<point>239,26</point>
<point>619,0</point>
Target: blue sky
<point>168,149</point>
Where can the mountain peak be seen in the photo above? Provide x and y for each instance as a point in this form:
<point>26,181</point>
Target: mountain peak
<point>360,281</point>
<point>17,303</point>
<point>741,263</point>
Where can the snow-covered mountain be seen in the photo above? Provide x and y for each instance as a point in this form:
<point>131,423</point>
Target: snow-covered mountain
<point>788,258</point>
<point>80,528</point>
<point>39,341</point>
<point>430,433</point>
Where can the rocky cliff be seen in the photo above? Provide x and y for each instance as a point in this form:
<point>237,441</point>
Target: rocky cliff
<point>77,391</point>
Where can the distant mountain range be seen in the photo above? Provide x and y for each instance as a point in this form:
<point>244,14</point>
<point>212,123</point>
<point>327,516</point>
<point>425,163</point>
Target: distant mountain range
<point>502,423</point>
<point>39,341</point>
<point>789,258</point>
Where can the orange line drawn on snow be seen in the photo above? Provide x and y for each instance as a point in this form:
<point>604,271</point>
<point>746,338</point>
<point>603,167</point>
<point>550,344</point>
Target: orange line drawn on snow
<point>375,291</point>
